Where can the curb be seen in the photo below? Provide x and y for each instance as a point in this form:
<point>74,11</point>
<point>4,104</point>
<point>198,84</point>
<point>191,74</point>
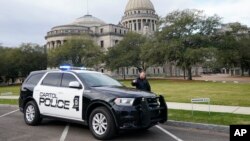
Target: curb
<point>200,126</point>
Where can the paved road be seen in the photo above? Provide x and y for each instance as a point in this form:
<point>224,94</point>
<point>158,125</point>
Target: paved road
<point>13,128</point>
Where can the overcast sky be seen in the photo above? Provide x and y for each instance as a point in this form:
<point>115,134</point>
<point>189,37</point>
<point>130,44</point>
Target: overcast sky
<point>23,21</point>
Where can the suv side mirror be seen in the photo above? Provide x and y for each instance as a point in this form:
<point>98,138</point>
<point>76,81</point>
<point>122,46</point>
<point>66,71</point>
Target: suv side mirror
<point>75,84</point>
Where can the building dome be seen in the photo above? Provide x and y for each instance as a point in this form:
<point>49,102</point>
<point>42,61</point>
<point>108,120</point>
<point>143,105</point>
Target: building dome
<point>88,21</point>
<point>139,5</point>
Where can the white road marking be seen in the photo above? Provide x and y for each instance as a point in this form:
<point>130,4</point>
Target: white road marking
<point>9,113</point>
<point>167,132</point>
<point>64,133</point>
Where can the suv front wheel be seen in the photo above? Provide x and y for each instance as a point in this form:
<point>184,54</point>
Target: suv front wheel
<point>101,124</point>
<point>31,114</point>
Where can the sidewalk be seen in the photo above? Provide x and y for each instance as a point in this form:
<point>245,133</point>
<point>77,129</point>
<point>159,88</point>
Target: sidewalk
<point>9,97</point>
<point>188,106</point>
<point>213,108</point>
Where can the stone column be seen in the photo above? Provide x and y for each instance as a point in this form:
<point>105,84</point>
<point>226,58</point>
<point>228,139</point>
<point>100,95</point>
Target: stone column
<point>130,25</point>
<point>151,25</point>
<point>134,29</point>
<point>155,25</point>
<point>137,24</point>
<point>142,24</point>
<point>55,44</point>
<point>52,44</point>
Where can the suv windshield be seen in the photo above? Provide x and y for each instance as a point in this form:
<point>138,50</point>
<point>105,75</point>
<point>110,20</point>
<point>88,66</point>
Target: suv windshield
<point>98,80</point>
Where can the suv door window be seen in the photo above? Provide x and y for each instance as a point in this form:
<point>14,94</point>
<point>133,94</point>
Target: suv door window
<point>52,79</point>
<point>67,78</point>
<point>34,79</point>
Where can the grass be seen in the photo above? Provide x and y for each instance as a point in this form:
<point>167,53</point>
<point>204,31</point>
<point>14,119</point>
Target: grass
<point>213,118</point>
<point>219,93</point>
<point>183,91</point>
<point>13,89</point>
<point>9,101</point>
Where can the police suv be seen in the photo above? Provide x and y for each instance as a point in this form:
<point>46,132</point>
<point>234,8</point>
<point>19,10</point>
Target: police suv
<point>91,98</point>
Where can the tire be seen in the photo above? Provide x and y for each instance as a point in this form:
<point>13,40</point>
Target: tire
<point>98,129</point>
<point>32,114</point>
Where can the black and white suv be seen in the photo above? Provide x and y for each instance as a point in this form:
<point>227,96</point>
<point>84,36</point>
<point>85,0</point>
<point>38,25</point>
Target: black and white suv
<point>90,98</point>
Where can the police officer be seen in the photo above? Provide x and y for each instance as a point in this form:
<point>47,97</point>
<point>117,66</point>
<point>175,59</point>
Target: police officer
<point>141,82</point>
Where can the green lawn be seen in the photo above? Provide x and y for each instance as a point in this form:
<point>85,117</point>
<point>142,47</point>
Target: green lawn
<point>15,90</point>
<point>219,93</point>
<point>183,91</point>
<point>9,101</point>
<point>204,117</point>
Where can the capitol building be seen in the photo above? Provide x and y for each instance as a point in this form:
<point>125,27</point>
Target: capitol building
<point>139,16</point>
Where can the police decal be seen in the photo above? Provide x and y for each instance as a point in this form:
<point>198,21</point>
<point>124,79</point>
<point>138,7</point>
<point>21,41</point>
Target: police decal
<point>51,100</point>
<point>76,103</point>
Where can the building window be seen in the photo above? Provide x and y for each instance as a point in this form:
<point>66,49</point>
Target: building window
<point>135,26</point>
<point>102,44</point>
<point>101,30</point>
<point>115,30</point>
<point>158,71</point>
<point>120,31</point>
<point>139,12</point>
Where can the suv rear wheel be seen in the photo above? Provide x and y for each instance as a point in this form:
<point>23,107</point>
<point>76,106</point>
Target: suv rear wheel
<point>101,124</point>
<point>32,114</point>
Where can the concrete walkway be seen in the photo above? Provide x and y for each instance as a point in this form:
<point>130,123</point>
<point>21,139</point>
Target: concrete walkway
<point>189,106</point>
<point>213,108</point>
<point>9,97</point>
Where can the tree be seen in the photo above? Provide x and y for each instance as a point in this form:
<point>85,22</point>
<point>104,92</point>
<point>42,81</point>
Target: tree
<point>19,62</point>
<point>244,53</point>
<point>126,53</point>
<point>2,63</point>
<point>234,47</point>
<point>78,51</point>
<point>12,56</point>
<point>188,35</point>
<point>32,57</point>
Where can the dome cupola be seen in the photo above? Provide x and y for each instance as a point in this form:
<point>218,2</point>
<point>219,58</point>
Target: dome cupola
<point>88,21</point>
<point>140,16</point>
<point>139,5</point>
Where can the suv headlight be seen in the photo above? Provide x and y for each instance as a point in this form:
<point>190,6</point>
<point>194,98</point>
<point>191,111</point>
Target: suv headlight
<point>124,101</point>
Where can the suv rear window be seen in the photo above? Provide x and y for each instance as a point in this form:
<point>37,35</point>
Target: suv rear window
<point>52,79</point>
<point>34,79</point>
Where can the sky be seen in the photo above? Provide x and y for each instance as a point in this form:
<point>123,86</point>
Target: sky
<point>28,21</point>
